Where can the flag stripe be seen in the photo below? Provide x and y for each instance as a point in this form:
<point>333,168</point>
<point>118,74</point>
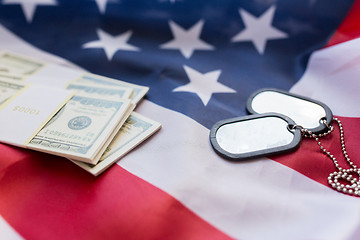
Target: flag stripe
<point>349,28</point>
<point>311,162</point>
<point>263,192</point>
<point>68,203</point>
<point>332,77</point>
<point>7,232</point>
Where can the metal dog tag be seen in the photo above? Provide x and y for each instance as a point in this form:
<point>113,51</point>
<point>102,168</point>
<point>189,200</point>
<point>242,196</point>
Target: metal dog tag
<point>254,136</point>
<point>306,112</point>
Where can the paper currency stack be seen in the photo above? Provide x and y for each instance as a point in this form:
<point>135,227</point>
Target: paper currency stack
<point>84,117</point>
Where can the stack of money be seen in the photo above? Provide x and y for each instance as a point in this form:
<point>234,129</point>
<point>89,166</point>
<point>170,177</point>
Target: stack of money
<point>93,128</point>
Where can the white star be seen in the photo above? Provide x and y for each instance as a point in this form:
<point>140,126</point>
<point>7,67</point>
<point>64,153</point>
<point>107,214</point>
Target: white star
<point>187,41</point>
<point>29,6</point>
<point>258,30</point>
<point>101,5</point>
<point>112,44</point>
<point>204,85</point>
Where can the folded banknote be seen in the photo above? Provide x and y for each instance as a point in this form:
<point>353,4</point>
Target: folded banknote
<point>94,127</point>
<point>135,130</point>
<point>29,70</point>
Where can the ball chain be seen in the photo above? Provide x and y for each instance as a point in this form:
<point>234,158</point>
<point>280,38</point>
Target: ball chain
<point>346,175</point>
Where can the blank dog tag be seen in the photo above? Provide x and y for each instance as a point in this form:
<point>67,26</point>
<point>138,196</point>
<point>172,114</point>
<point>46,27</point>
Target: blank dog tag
<point>254,136</point>
<point>304,111</point>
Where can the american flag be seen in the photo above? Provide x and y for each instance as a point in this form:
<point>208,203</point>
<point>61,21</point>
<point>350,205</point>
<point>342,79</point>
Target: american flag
<point>201,60</point>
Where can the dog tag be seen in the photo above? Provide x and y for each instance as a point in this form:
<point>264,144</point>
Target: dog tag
<point>306,112</point>
<point>254,136</point>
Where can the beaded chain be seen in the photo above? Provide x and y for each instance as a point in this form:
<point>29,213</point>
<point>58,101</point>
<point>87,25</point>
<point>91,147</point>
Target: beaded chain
<point>353,188</point>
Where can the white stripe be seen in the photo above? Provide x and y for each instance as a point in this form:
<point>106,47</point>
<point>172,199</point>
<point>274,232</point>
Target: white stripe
<point>250,200</point>
<point>7,232</point>
<point>332,76</point>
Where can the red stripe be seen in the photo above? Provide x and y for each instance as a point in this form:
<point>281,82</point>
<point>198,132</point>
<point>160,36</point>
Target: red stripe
<point>349,28</point>
<point>45,197</point>
<point>309,159</point>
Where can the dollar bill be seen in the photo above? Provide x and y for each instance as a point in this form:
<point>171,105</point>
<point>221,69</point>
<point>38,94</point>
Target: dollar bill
<point>83,128</point>
<point>20,65</point>
<point>9,89</point>
<point>3,69</point>
<point>135,130</point>
<point>11,77</point>
<point>98,90</point>
<point>138,94</point>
